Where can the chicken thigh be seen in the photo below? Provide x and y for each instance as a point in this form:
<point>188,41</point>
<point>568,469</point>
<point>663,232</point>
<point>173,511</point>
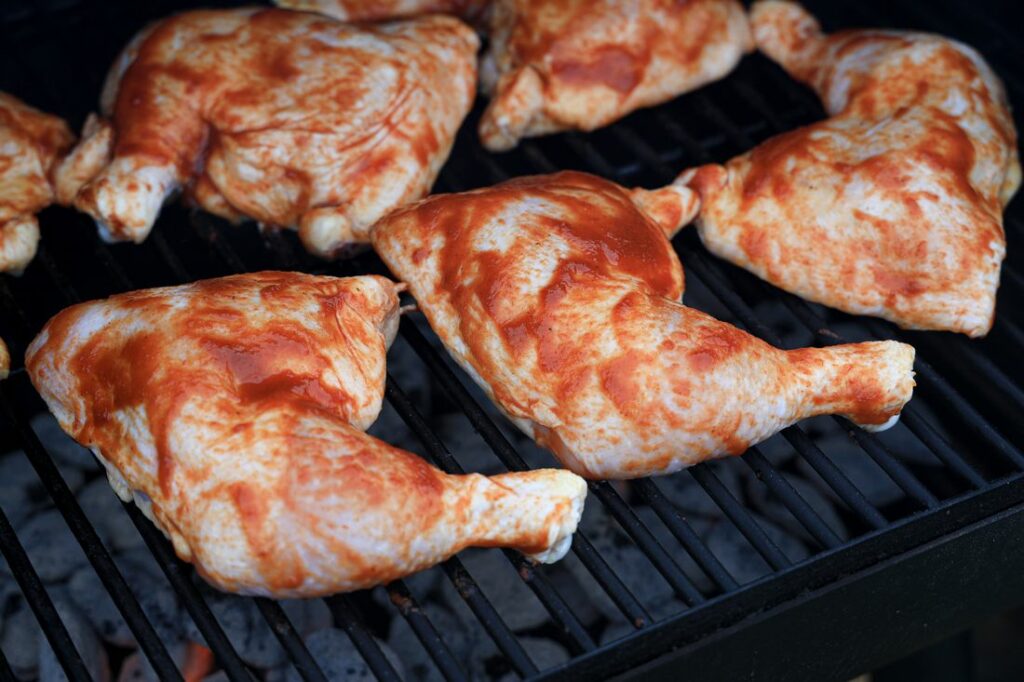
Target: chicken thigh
<point>560,296</point>
<point>893,206</point>
<point>376,10</point>
<point>582,64</point>
<point>31,142</point>
<point>232,411</point>
<point>290,118</point>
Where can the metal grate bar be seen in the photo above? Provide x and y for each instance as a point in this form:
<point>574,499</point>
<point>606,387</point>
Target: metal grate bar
<point>6,674</point>
<point>425,632</point>
<point>345,612</point>
<point>304,663</point>
<point>647,543</point>
<point>92,546</point>
<point>178,574</point>
<point>684,533</point>
<point>40,603</point>
<point>563,616</point>
<point>742,519</point>
<point>803,512</point>
<point>450,384</point>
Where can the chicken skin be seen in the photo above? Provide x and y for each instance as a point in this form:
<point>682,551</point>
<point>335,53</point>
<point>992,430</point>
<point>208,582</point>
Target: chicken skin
<point>31,142</point>
<point>290,118</point>
<point>893,206</point>
<point>232,411</point>
<point>377,10</point>
<point>582,64</point>
<point>560,296</point>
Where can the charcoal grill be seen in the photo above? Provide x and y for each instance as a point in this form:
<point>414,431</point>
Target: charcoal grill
<point>945,553</point>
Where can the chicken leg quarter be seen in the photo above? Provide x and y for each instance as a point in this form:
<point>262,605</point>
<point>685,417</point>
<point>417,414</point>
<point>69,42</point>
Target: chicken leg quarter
<point>290,118</point>
<point>560,296</point>
<point>893,206</point>
<point>232,411</point>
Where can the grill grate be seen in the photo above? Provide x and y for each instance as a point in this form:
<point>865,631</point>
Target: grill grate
<point>981,463</point>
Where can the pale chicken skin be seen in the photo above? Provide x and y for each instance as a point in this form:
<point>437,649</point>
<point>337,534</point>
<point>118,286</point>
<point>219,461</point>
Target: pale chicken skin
<point>232,411</point>
<point>582,64</point>
<point>289,118</point>
<point>31,142</point>
<point>560,295</point>
<point>892,206</point>
<point>377,10</point>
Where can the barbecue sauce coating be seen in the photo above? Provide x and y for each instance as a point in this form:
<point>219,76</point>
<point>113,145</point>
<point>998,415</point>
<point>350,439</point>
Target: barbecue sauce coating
<point>271,114</point>
<point>378,10</point>
<point>563,64</point>
<point>31,142</point>
<point>560,297</point>
<point>892,206</point>
<point>235,408</point>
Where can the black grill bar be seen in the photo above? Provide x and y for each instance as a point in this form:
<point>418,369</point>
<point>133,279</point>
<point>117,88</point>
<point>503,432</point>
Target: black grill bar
<point>40,603</point>
<point>745,523</point>
<point>304,663</point>
<point>635,613</point>
<point>91,544</point>
<point>425,632</point>
<point>684,533</point>
<point>578,638</point>
<point>346,613</point>
<point>782,489</point>
<point>6,674</point>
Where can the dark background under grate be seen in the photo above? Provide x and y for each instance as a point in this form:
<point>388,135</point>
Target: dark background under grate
<point>953,460</point>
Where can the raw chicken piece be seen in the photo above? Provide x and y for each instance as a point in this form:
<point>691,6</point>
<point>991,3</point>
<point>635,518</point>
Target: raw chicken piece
<point>232,411</point>
<point>559,296</point>
<point>376,10</point>
<point>290,118</point>
<point>30,144</point>
<point>582,64</point>
<point>891,207</point>
<point>5,360</point>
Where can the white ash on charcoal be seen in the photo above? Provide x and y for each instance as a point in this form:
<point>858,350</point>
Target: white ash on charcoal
<point>86,641</point>
<point>136,667</point>
<point>683,490</point>
<point>62,447</point>
<point>108,516</point>
<point>21,491</point>
<point>499,582</point>
<point>155,596</point>
<point>339,658</point>
<point>51,546</point>
<point>770,505</point>
<point>19,638</point>
<point>545,653</point>
<point>740,558</point>
<point>247,629</point>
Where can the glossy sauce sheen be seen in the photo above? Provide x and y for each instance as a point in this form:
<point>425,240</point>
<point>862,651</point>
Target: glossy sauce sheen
<point>891,207</point>
<point>233,411</point>
<point>561,298</point>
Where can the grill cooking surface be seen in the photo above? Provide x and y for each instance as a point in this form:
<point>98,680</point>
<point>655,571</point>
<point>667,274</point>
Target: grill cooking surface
<point>815,503</point>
